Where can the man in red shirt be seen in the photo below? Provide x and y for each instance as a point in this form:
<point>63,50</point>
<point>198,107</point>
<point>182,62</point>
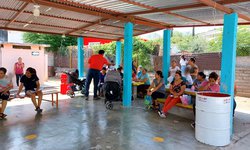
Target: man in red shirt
<point>96,63</point>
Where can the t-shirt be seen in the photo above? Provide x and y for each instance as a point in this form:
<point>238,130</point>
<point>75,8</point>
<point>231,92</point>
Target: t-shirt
<point>173,70</point>
<point>144,76</point>
<point>177,88</point>
<point>189,80</point>
<point>162,88</point>
<point>29,83</point>
<point>97,62</point>
<point>139,73</point>
<point>192,70</point>
<point>19,68</point>
<point>198,83</point>
<point>183,62</point>
<point>213,88</point>
<point>4,83</point>
<point>101,77</point>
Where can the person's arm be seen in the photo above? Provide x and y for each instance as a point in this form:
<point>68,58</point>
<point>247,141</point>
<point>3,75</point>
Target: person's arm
<point>151,86</point>
<point>37,86</point>
<point>19,89</point>
<point>7,89</point>
<point>204,87</point>
<point>171,89</point>
<point>23,65</point>
<point>156,88</point>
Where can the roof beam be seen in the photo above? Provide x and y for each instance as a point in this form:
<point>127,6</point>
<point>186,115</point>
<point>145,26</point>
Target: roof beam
<point>167,12</point>
<point>224,2</point>
<point>86,26</point>
<point>95,13</point>
<point>17,14</point>
<point>64,18</point>
<point>223,8</point>
<point>184,26</point>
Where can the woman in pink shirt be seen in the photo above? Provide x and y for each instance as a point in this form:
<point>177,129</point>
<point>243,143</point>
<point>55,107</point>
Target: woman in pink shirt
<point>18,69</point>
<point>211,84</point>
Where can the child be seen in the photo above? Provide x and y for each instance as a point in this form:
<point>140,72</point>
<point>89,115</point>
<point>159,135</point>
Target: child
<point>172,70</point>
<point>210,85</point>
<point>5,86</point>
<point>30,82</point>
<point>183,63</point>
<point>201,77</point>
<point>189,80</point>
<point>101,81</point>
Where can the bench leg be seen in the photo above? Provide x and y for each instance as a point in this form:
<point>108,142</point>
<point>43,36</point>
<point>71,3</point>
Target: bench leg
<point>52,97</point>
<point>56,100</point>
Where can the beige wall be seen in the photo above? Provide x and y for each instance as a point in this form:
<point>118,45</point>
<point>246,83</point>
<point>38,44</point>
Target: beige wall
<point>9,56</point>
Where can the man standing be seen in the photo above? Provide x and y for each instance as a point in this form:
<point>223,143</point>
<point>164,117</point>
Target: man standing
<point>96,63</point>
<point>18,70</point>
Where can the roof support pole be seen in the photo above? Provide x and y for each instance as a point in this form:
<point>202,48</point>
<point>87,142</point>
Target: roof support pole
<point>80,51</point>
<point>127,64</point>
<point>118,54</point>
<point>166,53</point>
<point>229,58</point>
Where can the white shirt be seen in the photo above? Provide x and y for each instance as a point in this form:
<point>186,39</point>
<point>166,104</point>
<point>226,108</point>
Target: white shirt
<point>183,62</point>
<point>189,79</point>
<point>173,70</point>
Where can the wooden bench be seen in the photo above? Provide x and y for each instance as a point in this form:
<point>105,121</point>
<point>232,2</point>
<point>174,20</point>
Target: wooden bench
<point>52,92</point>
<point>190,107</point>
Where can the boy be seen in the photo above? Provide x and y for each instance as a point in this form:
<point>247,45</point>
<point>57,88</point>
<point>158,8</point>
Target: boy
<point>5,86</point>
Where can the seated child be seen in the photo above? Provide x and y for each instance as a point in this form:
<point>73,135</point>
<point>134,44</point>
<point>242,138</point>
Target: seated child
<point>30,82</point>
<point>201,77</point>
<point>5,86</point>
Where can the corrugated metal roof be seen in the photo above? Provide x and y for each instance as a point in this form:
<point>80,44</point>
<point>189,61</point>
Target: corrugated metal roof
<point>106,18</point>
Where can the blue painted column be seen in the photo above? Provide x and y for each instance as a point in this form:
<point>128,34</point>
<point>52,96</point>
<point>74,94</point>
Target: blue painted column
<point>80,59</point>
<point>118,54</point>
<point>229,58</point>
<point>127,64</point>
<point>166,53</point>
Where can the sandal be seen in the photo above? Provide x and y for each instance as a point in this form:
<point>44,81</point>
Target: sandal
<point>3,116</point>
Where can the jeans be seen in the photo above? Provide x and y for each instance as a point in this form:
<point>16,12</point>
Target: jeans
<point>18,77</point>
<point>92,73</point>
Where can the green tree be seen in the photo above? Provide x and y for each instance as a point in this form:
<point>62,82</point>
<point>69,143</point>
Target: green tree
<point>57,42</point>
<point>243,42</point>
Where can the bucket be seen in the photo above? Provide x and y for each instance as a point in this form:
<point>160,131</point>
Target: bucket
<point>213,118</point>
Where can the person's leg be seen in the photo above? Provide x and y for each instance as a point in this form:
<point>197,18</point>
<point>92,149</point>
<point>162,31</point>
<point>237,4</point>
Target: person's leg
<point>4,104</point>
<point>234,106</point>
<point>96,81</point>
<point>33,98</point>
<point>172,103</point>
<point>88,81</point>
<point>17,79</point>
<point>168,99</point>
<point>40,96</point>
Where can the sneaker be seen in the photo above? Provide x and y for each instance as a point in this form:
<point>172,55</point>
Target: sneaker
<point>162,115</point>
<point>87,98</point>
<point>193,125</point>
<point>97,98</point>
<point>38,110</point>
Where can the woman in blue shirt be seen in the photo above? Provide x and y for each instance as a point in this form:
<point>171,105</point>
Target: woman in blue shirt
<point>142,89</point>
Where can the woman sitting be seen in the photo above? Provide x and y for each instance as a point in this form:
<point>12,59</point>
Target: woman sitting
<point>177,88</point>
<point>157,89</point>
<point>30,82</point>
<point>142,89</point>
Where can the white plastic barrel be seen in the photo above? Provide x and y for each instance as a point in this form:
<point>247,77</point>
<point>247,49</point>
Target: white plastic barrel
<point>212,118</point>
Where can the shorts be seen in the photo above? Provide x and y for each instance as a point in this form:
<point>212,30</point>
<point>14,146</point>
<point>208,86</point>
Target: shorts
<point>4,96</point>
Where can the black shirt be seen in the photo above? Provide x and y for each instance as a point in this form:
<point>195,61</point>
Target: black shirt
<point>29,83</point>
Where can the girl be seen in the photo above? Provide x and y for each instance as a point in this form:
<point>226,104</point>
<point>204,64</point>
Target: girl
<point>30,82</point>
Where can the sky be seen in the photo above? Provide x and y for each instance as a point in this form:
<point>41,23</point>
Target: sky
<point>16,36</point>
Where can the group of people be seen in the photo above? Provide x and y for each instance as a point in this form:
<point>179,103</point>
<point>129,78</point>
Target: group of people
<point>29,81</point>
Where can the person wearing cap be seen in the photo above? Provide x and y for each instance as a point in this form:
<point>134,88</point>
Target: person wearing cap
<point>139,72</point>
<point>96,63</point>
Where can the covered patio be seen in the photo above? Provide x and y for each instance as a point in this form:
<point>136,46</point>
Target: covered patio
<point>123,19</point>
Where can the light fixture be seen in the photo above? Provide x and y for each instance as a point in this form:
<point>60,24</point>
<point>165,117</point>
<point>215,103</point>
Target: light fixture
<point>86,32</point>
<point>26,25</point>
<point>48,9</point>
<point>116,21</point>
<point>36,11</point>
<point>101,26</point>
<point>91,29</point>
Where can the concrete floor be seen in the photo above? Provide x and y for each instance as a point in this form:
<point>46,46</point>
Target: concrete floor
<point>86,125</point>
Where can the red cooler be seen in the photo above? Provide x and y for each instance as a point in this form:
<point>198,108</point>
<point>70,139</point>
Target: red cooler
<point>64,84</point>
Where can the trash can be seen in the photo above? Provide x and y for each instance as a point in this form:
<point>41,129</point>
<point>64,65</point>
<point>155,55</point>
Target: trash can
<point>64,85</point>
<point>213,118</point>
